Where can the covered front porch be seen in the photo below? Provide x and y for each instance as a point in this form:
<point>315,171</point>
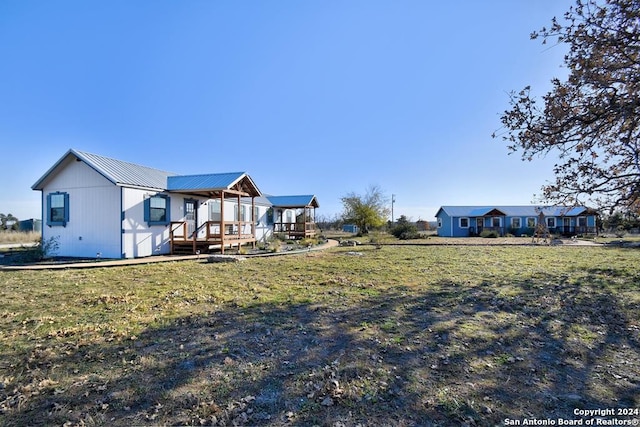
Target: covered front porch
<point>294,216</point>
<point>222,191</point>
<point>493,220</point>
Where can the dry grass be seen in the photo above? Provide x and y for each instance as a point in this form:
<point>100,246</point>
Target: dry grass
<point>397,336</point>
<point>18,237</point>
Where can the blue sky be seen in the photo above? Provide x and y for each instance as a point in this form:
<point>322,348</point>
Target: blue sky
<point>308,97</point>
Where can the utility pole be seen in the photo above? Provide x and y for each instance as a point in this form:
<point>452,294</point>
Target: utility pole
<point>393,200</point>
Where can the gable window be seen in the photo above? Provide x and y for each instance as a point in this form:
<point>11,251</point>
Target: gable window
<point>531,222</point>
<point>464,222</point>
<point>516,222</point>
<point>551,222</point>
<point>57,209</point>
<point>156,210</point>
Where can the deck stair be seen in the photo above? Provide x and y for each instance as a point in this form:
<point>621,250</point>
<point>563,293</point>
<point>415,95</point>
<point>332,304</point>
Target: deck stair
<point>187,247</point>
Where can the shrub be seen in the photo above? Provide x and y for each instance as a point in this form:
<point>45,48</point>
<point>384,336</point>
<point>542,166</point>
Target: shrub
<point>275,246</point>
<point>45,249</point>
<point>404,230</point>
<point>308,241</point>
<point>489,234</point>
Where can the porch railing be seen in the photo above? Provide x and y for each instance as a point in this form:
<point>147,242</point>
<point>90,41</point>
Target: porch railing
<point>295,229</point>
<point>212,233</point>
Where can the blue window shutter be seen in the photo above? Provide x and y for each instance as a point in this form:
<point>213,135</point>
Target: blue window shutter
<point>49,209</point>
<point>66,209</point>
<point>147,209</point>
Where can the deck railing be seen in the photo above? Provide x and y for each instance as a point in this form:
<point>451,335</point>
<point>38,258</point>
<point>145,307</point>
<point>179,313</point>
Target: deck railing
<point>212,233</point>
<point>295,229</point>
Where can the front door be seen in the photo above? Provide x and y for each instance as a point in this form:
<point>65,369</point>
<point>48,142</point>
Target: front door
<point>566,225</point>
<point>191,216</point>
<point>478,226</point>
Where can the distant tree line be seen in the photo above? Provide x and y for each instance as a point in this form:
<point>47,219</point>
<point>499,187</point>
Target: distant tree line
<point>627,222</point>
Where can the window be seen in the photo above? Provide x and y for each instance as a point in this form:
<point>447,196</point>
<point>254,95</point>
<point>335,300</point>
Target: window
<point>215,210</point>
<point>531,222</point>
<point>582,221</point>
<point>289,216</point>
<point>551,222</point>
<point>439,222</point>
<point>156,210</point>
<point>270,216</point>
<point>496,221</point>
<point>516,222</point>
<point>464,222</point>
<point>243,213</point>
<point>256,214</point>
<point>57,209</point>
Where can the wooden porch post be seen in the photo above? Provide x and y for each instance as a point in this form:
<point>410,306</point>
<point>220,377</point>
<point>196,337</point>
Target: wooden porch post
<point>253,221</point>
<point>239,222</point>
<point>222,222</point>
<point>304,221</point>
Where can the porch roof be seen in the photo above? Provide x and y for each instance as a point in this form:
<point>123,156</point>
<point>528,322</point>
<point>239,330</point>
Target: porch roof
<point>294,201</point>
<point>212,185</point>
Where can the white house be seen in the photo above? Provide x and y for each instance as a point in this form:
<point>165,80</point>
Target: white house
<point>96,206</point>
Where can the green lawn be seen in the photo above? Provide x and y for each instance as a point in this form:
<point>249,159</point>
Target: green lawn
<point>393,336</point>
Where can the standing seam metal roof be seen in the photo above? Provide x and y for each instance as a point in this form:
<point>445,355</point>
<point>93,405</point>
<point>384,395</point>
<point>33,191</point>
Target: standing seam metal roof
<point>116,171</point>
<point>294,201</point>
<point>214,181</point>
<point>125,173</point>
<point>474,211</point>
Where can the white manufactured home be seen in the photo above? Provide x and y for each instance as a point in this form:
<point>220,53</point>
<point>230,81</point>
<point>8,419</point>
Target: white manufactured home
<point>95,206</point>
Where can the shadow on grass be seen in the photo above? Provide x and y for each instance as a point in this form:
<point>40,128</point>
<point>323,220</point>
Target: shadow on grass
<point>446,355</point>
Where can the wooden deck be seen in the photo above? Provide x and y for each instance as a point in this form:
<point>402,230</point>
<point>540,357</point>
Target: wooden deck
<point>208,236</point>
<point>296,230</point>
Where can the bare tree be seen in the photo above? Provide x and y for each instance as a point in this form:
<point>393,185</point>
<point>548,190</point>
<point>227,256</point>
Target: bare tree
<point>591,120</point>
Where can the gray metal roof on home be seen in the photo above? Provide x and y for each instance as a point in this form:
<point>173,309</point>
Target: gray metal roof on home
<point>294,201</point>
<point>529,210</point>
<point>117,171</point>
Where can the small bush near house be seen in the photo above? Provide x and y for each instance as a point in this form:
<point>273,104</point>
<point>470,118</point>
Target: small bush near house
<point>308,241</point>
<point>489,234</point>
<point>404,230</point>
<point>279,236</point>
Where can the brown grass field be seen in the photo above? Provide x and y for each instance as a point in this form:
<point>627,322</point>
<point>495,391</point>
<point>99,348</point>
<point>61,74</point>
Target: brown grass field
<point>397,336</point>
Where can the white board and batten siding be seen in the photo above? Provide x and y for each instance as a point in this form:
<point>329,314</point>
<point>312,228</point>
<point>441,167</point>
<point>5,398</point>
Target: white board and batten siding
<point>93,228</point>
<point>140,239</point>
